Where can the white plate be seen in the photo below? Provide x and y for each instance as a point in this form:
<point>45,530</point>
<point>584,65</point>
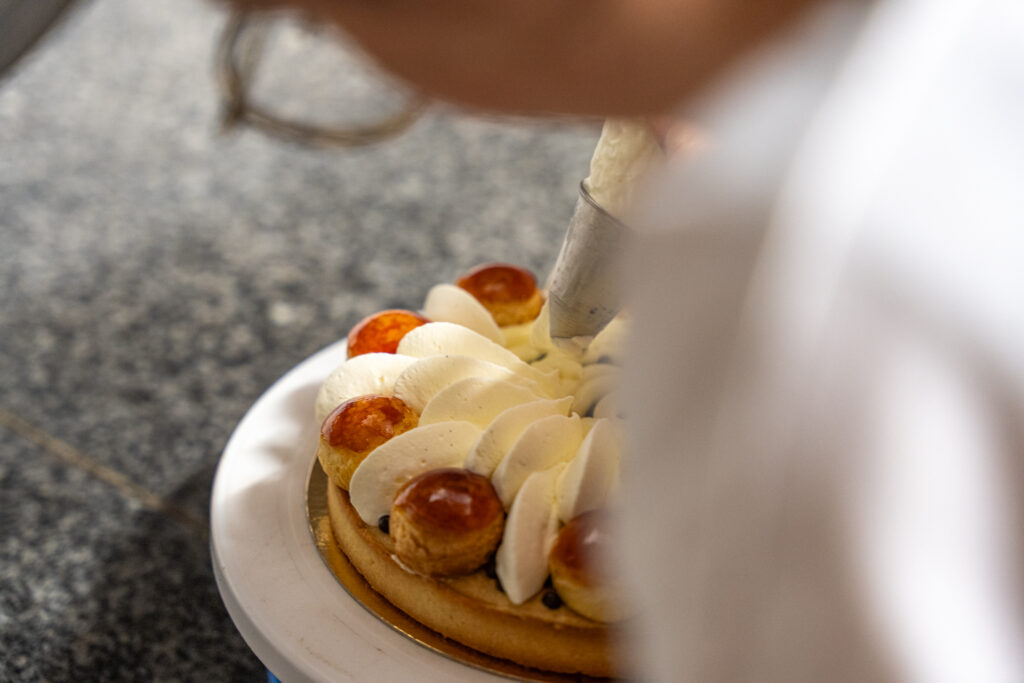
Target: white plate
<point>282,597</point>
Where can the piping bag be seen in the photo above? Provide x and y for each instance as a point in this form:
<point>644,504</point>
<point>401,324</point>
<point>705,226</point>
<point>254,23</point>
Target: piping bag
<point>584,292</point>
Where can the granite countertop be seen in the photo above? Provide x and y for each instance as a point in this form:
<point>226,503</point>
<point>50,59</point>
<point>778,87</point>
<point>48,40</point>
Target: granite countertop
<point>157,274</point>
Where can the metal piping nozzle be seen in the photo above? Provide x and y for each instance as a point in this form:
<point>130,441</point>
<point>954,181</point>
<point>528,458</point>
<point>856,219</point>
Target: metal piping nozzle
<point>584,287</point>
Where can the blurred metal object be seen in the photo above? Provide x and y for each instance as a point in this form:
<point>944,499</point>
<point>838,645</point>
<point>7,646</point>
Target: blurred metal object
<point>584,287</point>
<point>22,23</point>
<point>241,46</point>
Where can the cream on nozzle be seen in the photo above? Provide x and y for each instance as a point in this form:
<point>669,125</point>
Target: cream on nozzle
<point>583,289</point>
<point>625,152</point>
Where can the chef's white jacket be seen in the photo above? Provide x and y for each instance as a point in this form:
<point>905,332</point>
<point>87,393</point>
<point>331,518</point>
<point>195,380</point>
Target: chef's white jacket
<point>826,479</point>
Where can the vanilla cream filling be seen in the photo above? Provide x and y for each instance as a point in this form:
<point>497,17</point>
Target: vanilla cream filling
<point>389,466</point>
<point>504,431</point>
<point>371,373</point>
<point>475,399</point>
<point>530,530</point>
<point>424,378</point>
<point>452,304</point>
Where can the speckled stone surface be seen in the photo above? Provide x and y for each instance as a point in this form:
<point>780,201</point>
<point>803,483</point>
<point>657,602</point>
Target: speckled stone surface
<point>156,275</point>
<point>97,587</point>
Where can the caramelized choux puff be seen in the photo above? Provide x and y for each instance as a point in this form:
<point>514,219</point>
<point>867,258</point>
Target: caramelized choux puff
<point>381,332</point>
<point>508,292</point>
<point>575,563</point>
<point>446,522</point>
<point>356,427</point>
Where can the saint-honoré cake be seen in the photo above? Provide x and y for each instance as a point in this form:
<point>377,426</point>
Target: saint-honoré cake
<point>471,464</point>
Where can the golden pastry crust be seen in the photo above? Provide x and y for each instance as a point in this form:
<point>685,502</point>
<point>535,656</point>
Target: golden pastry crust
<point>470,609</point>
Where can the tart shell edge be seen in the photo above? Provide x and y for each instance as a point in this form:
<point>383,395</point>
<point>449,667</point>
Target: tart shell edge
<point>470,610</point>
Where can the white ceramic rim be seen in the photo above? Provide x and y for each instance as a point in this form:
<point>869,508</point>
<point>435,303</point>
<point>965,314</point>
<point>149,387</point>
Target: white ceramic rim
<point>285,601</point>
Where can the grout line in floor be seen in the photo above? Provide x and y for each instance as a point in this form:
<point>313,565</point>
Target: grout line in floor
<point>76,458</point>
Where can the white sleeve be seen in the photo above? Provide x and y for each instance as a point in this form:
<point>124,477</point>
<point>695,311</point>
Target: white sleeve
<point>825,481</point>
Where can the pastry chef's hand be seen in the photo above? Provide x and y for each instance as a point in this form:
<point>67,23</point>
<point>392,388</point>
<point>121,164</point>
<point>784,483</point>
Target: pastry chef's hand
<point>603,57</point>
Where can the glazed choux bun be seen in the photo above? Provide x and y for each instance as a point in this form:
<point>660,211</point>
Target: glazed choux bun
<point>576,574</point>
<point>356,427</point>
<point>446,522</point>
<point>381,332</point>
<point>508,292</point>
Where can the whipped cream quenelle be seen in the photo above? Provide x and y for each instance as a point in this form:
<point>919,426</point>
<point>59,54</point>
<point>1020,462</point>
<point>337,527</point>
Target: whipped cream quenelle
<point>625,152</point>
<point>504,403</point>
